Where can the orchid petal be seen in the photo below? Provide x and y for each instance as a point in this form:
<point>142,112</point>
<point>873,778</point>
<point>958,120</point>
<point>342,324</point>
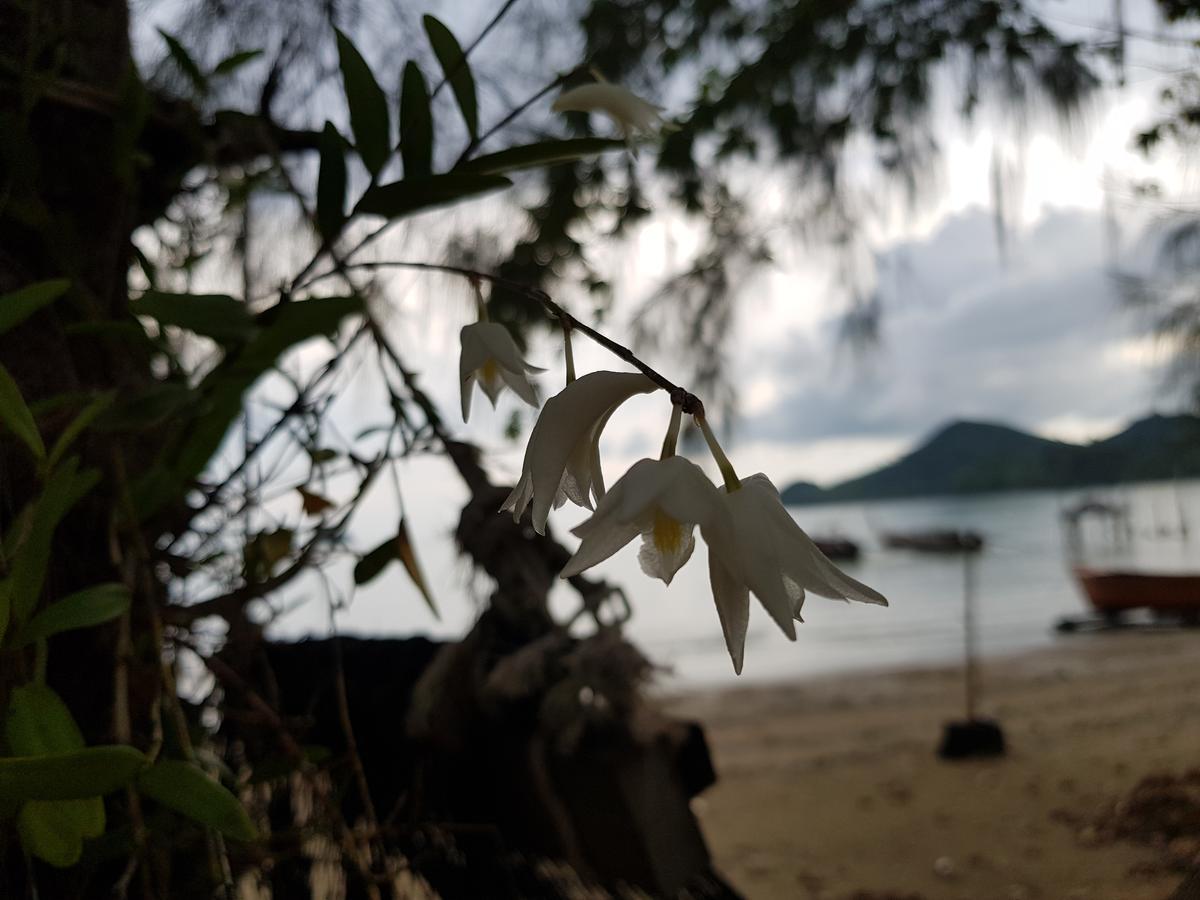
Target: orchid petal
<point>767,554</point>
<point>565,441</point>
<point>733,607</point>
<point>627,110</point>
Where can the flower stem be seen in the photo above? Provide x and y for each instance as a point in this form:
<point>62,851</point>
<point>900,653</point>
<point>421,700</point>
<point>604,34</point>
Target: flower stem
<point>480,303</point>
<point>732,482</point>
<point>672,438</point>
<point>570,353</point>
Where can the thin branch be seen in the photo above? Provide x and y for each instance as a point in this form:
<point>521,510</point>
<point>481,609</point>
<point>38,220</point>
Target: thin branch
<point>516,111</point>
<point>690,403</point>
<point>230,605</point>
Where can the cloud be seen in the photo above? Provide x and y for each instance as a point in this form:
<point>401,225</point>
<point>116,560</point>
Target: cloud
<point>966,334</point>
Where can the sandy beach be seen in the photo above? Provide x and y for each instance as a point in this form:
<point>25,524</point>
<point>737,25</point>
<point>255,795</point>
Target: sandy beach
<point>831,788</point>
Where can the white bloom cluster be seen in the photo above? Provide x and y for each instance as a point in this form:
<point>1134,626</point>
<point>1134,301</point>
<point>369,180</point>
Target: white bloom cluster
<point>754,545</point>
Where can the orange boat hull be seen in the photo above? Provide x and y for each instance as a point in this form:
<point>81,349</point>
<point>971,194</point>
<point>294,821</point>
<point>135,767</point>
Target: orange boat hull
<point>1115,591</point>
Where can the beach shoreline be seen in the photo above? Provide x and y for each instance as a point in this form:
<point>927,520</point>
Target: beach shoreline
<point>830,785</point>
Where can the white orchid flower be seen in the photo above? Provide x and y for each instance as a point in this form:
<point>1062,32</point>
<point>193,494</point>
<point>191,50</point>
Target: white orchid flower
<point>766,553</point>
<point>629,112</point>
<point>662,500</point>
<point>562,460</point>
<point>490,356</point>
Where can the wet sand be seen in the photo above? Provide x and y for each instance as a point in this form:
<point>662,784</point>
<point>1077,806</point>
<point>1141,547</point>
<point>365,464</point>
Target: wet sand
<point>831,788</point>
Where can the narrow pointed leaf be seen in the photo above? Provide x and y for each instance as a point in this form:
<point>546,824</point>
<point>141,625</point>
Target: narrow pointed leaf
<point>376,561</point>
<point>313,504</point>
<point>455,70</point>
<point>77,426</point>
<point>186,789</point>
<point>416,124</point>
<point>186,64</point>
<point>62,491</point>
<point>235,61</point>
<point>331,183</point>
<point>18,306</point>
<point>368,106</point>
<point>90,772</point>
<point>83,609</point>
<point>217,316</point>
<point>152,405</point>
<point>543,153</point>
<point>404,198</point>
<point>16,417</point>
<point>408,557</point>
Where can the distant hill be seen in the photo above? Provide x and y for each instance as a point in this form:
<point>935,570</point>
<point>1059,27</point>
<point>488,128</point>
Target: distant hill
<point>976,457</point>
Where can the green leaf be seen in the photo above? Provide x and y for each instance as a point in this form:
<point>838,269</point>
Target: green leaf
<point>188,790</point>
<point>62,491</point>
<point>403,198</point>
<point>234,61</point>
<point>15,415</point>
<point>291,324</point>
<point>90,772</point>
<point>368,106</point>
<point>51,831</point>
<point>416,124</point>
<point>455,70</point>
<point>369,567</point>
<point>216,316</point>
<point>544,153</point>
<point>186,64</point>
<point>80,423</point>
<point>18,306</point>
<point>83,609</point>
<point>331,183</point>
<point>152,405</point>
<point>39,722</point>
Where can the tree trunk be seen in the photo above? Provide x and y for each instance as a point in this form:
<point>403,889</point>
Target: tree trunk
<point>67,210</point>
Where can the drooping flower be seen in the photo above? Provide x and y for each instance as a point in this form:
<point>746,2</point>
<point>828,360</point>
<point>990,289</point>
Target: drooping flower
<point>629,112</point>
<point>662,500</point>
<point>766,553</point>
<point>562,460</point>
<point>490,356</point>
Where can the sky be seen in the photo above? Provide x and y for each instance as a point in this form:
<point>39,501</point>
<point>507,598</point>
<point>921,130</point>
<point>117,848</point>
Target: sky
<point>1031,334</point>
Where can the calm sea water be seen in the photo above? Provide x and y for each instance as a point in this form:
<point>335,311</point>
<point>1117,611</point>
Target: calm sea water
<point>1023,585</point>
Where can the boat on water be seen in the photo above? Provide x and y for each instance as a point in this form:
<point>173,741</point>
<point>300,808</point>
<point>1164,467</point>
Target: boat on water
<point>1115,589</point>
<point>942,540</point>
<point>1112,592</point>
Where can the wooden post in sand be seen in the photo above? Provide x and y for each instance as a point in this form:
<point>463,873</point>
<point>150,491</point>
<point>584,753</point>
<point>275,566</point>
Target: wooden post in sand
<point>973,736</point>
<point>970,675</point>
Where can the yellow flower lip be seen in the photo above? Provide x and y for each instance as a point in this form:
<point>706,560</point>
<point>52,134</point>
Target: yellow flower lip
<point>660,500</point>
<point>490,358</point>
<point>667,533</point>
